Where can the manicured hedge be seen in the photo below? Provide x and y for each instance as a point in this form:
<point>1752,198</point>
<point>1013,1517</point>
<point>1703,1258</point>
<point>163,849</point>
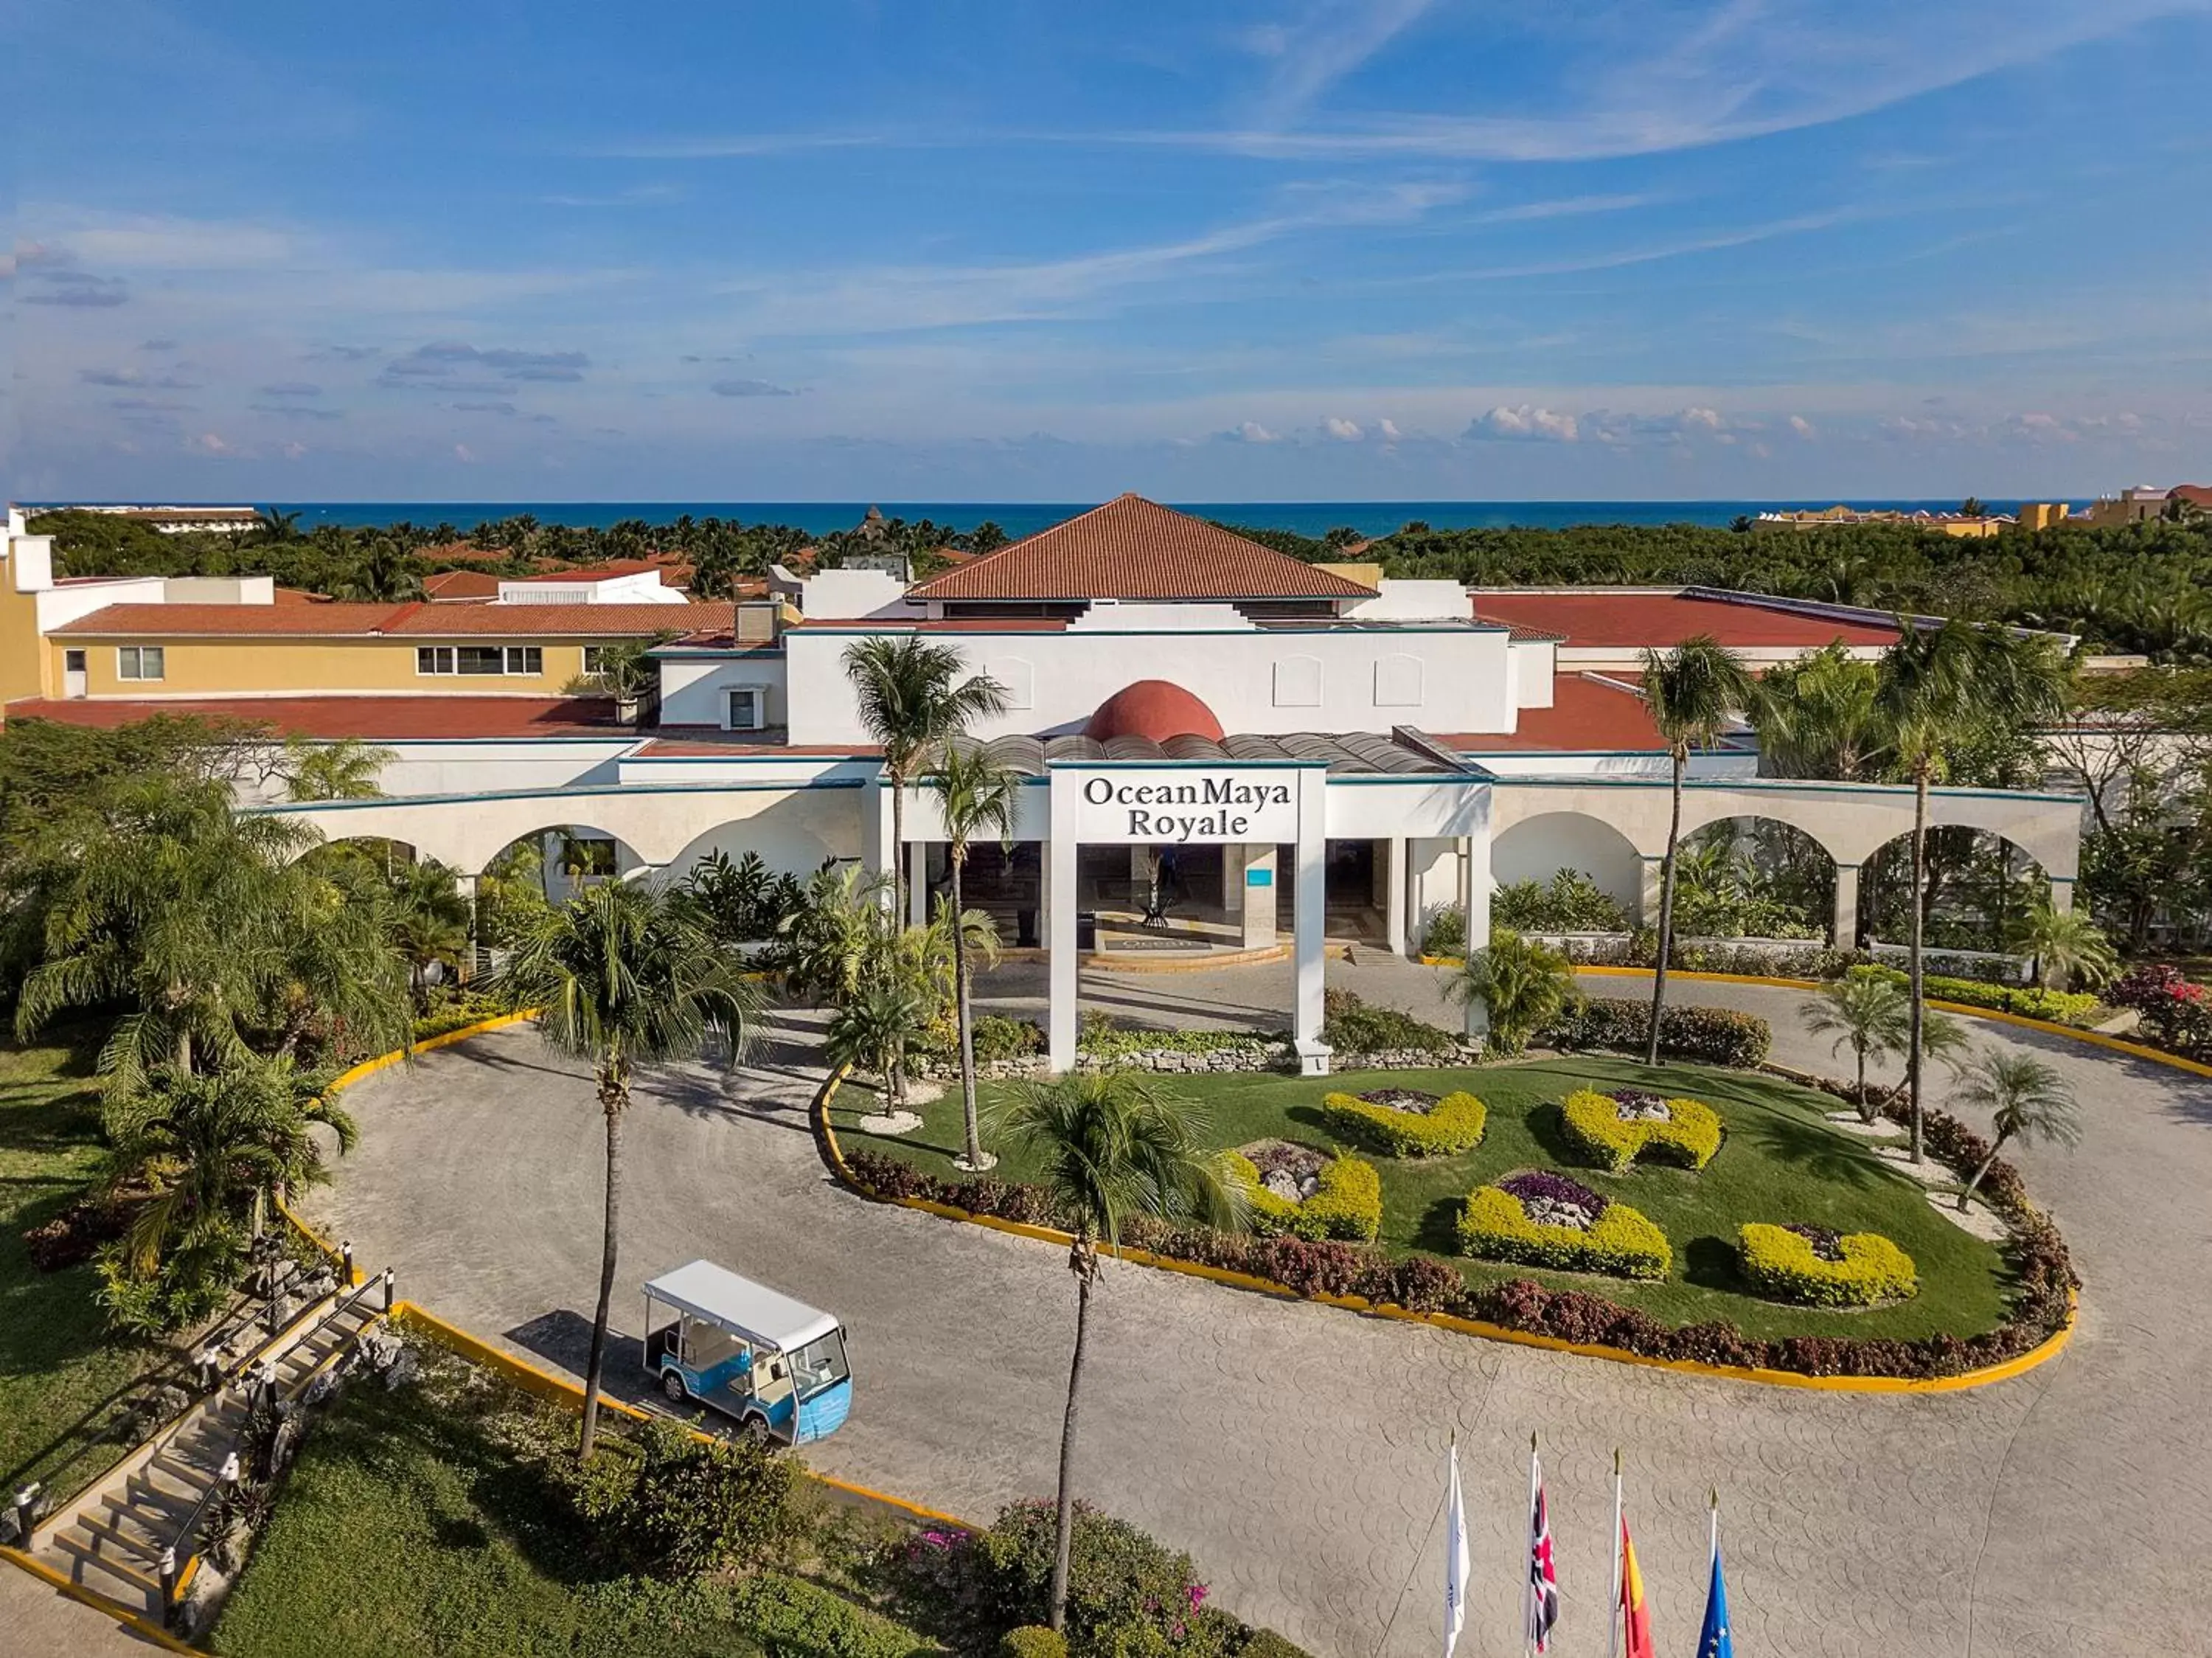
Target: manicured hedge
<point>1622,1242</point>
<point>790,1614</point>
<point>1033,1640</point>
<point>1597,1130</point>
<point>1710,1036</point>
<point>1454,1124</point>
<point>1349,1204</point>
<point>2053,1007</point>
<point>1785,1266</point>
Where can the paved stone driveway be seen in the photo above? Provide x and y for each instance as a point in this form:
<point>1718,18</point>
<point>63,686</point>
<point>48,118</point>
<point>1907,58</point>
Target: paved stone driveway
<point>1297,1450</point>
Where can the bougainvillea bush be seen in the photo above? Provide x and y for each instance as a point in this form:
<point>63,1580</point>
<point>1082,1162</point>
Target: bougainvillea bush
<point>1453,1123</point>
<point>1496,1225</point>
<point>2177,1012</point>
<point>1813,1267</point>
<point>1348,1205</point>
<point>1687,1135</point>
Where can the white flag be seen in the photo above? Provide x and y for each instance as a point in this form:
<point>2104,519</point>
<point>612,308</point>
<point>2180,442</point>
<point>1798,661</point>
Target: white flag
<point>1455,1558</point>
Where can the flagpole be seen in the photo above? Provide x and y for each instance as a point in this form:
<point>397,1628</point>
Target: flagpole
<point>1713,1539</point>
<point>1613,1616</point>
<point>1528,1589</point>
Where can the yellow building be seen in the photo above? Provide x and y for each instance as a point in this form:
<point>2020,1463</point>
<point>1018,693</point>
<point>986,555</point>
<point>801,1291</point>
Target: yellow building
<point>304,647</point>
<point>1972,527</point>
<point>2042,515</point>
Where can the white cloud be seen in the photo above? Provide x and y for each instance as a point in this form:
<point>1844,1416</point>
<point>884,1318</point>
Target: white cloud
<point>1389,431</point>
<point>212,444</point>
<point>1344,430</point>
<point>1527,421</point>
<point>1704,419</point>
<point>1251,431</point>
<point>1334,39</point>
<point>1804,427</point>
<point>464,454</point>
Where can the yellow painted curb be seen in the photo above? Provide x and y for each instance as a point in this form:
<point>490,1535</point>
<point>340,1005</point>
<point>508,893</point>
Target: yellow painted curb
<point>98,1602</point>
<point>2048,1349</point>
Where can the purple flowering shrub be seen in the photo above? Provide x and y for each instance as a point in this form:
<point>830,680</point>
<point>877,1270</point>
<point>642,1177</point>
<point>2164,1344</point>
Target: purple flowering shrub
<point>1541,1182</point>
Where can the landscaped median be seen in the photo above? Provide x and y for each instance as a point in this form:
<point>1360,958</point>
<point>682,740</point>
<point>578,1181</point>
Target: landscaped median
<point>1650,1269</point>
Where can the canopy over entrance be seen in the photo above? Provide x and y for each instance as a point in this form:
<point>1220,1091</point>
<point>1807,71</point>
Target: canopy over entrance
<point>764,1317</point>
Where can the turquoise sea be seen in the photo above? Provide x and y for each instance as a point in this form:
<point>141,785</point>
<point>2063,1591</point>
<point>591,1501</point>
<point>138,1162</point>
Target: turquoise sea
<point>1025,517</point>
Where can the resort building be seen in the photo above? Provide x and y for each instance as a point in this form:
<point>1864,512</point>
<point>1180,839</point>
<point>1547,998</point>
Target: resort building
<point>1228,752</point>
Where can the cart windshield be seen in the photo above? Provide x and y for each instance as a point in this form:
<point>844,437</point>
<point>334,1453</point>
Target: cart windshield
<point>820,1364</point>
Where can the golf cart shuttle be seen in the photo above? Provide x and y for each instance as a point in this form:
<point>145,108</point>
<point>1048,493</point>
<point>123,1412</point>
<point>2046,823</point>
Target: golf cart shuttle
<point>776,1364</point>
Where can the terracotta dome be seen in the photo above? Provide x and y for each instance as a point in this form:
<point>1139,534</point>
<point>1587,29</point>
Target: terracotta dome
<point>1153,708</point>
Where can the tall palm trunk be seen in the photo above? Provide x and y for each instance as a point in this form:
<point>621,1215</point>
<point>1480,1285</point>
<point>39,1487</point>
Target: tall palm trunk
<point>964,1014</point>
<point>1915,976</point>
<point>898,847</point>
<point>1667,907</point>
<point>614,1099</point>
<point>1084,1260</point>
<point>1988,1162</point>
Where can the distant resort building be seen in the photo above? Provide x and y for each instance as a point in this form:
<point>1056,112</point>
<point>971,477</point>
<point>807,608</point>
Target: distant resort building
<point>1303,757</point>
<point>1965,525</point>
<point>182,520</point>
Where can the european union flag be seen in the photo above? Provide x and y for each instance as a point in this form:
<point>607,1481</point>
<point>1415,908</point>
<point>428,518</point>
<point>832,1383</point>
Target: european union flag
<point>1713,1641</point>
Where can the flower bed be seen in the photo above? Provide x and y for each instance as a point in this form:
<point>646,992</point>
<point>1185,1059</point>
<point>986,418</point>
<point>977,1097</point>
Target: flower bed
<point>1452,1123</point>
<point>1813,1266</point>
<point>1712,1036</point>
<point>2053,1007</point>
<point>1615,1130</point>
<point>1340,1198</point>
<point>1541,1219</point>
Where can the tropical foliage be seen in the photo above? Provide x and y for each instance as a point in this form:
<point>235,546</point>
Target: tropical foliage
<point>1570,902</point>
<point>1602,1128</point>
<point>2024,1098</point>
<point>1815,1267</point>
<point>1522,985</point>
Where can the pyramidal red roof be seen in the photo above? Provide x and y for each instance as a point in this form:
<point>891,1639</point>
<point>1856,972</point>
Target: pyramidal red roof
<point>1132,548</point>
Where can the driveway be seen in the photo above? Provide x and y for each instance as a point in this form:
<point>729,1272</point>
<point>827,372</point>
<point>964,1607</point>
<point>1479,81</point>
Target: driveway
<point>1297,1451</point>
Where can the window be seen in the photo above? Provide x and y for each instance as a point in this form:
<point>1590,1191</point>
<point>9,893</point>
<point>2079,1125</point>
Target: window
<point>138,663</point>
<point>595,658</point>
<point>820,1365</point>
<point>479,659</point>
<point>746,710</point>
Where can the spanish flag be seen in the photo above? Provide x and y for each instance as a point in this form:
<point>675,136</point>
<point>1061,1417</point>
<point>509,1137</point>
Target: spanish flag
<point>1635,1611</point>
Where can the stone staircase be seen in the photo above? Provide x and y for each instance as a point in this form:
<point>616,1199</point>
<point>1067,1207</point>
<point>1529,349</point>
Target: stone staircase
<point>133,1537</point>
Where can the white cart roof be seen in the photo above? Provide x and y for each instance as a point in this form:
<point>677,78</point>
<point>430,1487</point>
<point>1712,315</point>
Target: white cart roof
<point>766,1317</point>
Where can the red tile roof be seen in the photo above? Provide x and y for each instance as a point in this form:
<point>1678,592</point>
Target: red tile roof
<point>2197,495</point>
<point>601,572</point>
<point>1630,618</point>
<point>1587,714</point>
<point>707,742</point>
<point>412,620</point>
<point>452,586</point>
<point>949,624</point>
<point>1132,548</point>
<point>384,719</point>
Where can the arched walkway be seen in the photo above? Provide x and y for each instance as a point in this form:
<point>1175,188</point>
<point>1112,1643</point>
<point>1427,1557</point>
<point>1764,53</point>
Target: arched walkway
<point>1534,847</point>
<point>1297,1450</point>
<point>1776,865</point>
<point>1979,886</point>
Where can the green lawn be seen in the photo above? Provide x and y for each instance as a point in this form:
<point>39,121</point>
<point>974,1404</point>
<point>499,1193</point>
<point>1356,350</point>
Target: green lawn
<point>1782,1161</point>
<point>63,1379</point>
<point>407,1528</point>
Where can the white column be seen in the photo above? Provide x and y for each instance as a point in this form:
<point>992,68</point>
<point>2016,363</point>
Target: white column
<point>1476,885</point>
<point>1393,852</point>
<point>1847,907</point>
<point>1312,920</point>
<point>1060,900</point>
<point>1258,911</point>
<point>2061,895</point>
<point>917,883</point>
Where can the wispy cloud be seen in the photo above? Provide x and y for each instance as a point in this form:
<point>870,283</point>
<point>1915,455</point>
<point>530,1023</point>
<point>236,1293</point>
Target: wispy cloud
<point>750,388</point>
<point>1331,41</point>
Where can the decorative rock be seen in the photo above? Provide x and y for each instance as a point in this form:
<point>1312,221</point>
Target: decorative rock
<point>1982,1222</point>
<point>898,1122</point>
<point>404,1370</point>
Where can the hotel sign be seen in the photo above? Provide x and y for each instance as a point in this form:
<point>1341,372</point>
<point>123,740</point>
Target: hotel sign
<point>1187,805</point>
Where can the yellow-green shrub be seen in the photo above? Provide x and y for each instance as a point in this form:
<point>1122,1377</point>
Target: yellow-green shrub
<point>1454,1123</point>
<point>1597,1129</point>
<point>1623,1242</point>
<point>1032,1641</point>
<point>1782,1264</point>
<point>1348,1205</point>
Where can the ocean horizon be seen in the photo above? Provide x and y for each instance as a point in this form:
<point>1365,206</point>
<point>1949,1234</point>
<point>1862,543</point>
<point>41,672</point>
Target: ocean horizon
<point>1020,518</point>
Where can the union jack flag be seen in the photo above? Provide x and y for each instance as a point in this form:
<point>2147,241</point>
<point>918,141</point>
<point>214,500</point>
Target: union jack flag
<point>1543,1581</point>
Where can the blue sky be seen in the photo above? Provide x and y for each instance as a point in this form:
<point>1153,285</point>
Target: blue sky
<point>1318,249</point>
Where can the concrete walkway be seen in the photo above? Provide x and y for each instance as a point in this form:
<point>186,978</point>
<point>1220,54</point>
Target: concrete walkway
<point>1297,1450</point>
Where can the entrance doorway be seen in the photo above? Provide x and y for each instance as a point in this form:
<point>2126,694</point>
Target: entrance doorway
<point>73,674</point>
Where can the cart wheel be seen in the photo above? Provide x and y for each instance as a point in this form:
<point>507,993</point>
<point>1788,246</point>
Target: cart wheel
<point>671,1386</point>
<point>756,1431</point>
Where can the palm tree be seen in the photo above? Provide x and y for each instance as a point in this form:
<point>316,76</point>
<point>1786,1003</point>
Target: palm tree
<point>429,922</point>
<point>346,770</point>
<point>975,795</point>
<point>2026,1100</point>
<point>1523,984</point>
<point>1691,690</point>
<point>912,698</point>
<point>208,1145</point>
<point>825,944</point>
<point>166,902</point>
<point>870,1033</point>
<point>1817,717</point>
<point>2067,947</point>
<point>1107,1147</point>
<point>625,978</point>
<point>1937,686</point>
<point>1862,1011</point>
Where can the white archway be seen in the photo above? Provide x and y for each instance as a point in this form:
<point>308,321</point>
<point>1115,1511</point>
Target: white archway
<point>1534,848</point>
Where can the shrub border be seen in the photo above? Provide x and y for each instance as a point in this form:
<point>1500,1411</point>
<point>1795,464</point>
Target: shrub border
<point>833,1156</point>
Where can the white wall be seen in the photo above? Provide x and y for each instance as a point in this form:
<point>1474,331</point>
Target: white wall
<point>57,606</point>
<point>1534,848</point>
<point>841,595</point>
<point>692,689</point>
<point>1534,664</point>
<point>1463,676</point>
<point>640,587</point>
<point>1405,601</point>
